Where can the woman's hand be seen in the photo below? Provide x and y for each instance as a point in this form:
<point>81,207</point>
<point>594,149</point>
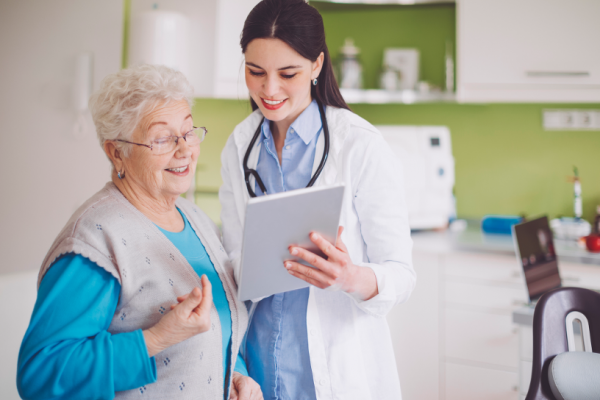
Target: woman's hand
<point>186,319</point>
<point>244,388</point>
<point>337,272</point>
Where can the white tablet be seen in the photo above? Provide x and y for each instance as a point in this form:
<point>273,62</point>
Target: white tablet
<point>275,222</point>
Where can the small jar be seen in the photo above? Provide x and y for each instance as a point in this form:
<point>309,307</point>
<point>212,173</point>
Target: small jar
<point>389,79</point>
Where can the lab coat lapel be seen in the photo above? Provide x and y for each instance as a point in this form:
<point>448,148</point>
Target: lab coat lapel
<point>338,128</point>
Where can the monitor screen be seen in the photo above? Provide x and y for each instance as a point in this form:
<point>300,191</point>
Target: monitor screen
<point>535,249</point>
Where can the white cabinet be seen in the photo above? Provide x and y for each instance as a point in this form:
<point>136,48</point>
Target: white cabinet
<point>528,51</point>
<point>468,382</point>
<point>481,337</point>
<point>454,339</point>
<point>414,328</point>
<point>480,343</point>
<point>229,80</point>
<point>215,53</point>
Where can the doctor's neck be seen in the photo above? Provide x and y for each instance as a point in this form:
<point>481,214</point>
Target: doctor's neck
<point>280,128</point>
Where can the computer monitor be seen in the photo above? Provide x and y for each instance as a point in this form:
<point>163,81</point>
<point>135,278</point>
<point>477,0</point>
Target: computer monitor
<point>537,255</point>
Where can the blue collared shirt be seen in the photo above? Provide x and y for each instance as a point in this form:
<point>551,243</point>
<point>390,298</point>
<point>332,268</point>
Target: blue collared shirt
<point>277,343</point>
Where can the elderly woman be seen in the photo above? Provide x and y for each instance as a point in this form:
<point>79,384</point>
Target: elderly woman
<point>125,307</point>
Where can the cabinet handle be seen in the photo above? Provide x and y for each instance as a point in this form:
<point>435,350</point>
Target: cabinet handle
<point>516,274</point>
<point>515,388</point>
<point>571,279</point>
<point>544,74</point>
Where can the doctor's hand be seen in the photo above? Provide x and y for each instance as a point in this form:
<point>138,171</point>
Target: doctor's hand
<point>337,272</point>
<point>244,388</point>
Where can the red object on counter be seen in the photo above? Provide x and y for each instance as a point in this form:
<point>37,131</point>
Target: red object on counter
<point>592,242</point>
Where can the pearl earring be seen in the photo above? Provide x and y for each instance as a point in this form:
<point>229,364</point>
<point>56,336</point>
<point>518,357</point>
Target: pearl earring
<point>315,82</point>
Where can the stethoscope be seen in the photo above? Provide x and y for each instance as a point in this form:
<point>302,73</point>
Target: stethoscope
<point>250,171</point>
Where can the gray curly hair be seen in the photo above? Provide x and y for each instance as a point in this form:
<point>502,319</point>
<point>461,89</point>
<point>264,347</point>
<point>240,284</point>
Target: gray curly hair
<point>124,98</point>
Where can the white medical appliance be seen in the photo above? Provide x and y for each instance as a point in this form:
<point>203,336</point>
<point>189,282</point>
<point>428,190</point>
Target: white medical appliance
<point>428,168</point>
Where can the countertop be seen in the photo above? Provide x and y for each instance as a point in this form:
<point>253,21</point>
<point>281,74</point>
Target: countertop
<point>474,240</point>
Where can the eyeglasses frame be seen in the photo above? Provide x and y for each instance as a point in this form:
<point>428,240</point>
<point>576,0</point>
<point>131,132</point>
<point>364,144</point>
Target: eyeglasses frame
<point>172,136</point>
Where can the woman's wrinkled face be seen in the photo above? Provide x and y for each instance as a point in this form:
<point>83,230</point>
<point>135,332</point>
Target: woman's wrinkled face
<point>279,79</point>
<point>169,174</point>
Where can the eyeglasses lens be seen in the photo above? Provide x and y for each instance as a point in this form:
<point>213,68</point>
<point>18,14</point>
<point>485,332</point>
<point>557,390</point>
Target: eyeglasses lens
<point>168,144</point>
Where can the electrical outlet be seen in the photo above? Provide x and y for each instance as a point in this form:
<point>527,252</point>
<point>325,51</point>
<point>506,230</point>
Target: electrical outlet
<point>571,120</point>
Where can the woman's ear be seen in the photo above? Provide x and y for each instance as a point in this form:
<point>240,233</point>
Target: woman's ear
<point>317,66</point>
<point>114,154</point>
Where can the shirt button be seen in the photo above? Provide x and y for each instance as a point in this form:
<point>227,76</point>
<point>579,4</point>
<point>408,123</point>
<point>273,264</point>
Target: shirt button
<point>287,147</point>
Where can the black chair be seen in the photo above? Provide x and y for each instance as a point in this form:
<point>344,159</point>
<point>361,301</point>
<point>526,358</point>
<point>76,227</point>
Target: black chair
<point>550,332</point>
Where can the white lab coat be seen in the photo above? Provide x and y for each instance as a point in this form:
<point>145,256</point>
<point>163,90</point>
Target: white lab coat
<point>349,342</point>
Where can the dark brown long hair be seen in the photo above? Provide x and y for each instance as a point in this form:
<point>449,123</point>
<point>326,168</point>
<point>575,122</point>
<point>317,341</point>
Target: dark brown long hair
<point>301,27</point>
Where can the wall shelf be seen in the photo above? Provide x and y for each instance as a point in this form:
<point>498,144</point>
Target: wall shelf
<point>378,96</point>
<point>387,2</point>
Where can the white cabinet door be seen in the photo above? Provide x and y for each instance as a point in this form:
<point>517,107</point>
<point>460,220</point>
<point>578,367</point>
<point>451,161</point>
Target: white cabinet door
<point>493,298</point>
<point>580,275</point>
<point>229,61</point>
<point>466,382</point>
<point>482,268</point>
<point>414,328</point>
<point>524,376</point>
<point>528,50</point>
<point>481,337</point>
<point>215,54</point>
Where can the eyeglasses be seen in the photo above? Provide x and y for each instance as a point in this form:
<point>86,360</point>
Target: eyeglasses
<point>167,144</point>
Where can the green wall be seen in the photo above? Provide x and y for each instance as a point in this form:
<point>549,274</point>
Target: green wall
<point>505,162</point>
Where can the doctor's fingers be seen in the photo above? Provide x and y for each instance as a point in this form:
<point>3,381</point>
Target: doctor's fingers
<point>327,266</point>
<point>325,246</point>
<point>339,243</point>
<point>311,275</point>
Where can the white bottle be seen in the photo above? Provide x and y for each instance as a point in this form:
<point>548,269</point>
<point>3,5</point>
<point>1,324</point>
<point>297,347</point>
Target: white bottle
<point>449,64</point>
<point>577,205</point>
<point>350,68</point>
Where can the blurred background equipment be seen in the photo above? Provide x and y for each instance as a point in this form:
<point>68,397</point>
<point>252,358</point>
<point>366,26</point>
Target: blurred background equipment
<point>428,167</point>
<point>406,63</point>
<point>349,66</point>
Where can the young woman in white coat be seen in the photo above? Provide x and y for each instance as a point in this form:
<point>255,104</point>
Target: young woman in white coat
<point>331,340</point>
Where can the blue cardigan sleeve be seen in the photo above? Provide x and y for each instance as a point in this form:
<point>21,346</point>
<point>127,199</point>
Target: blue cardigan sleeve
<point>67,351</point>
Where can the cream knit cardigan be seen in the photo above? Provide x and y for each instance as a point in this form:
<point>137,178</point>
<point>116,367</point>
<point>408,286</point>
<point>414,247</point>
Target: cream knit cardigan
<point>152,272</point>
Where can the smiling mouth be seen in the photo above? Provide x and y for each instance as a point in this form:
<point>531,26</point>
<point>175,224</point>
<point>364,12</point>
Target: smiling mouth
<point>273,102</point>
<point>180,169</point>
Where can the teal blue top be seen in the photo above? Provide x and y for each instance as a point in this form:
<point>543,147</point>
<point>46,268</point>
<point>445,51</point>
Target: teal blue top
<point>189,244</point>
<point>67,351</point>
